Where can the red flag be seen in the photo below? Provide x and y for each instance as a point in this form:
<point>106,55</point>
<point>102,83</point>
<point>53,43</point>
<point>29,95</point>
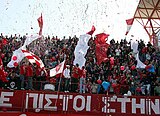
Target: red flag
<point>101,38</point>
<point>101,52</point>
<point>101,47</point>
<point>92,30</point>
<point>129,24</point>
<point>40,22</point>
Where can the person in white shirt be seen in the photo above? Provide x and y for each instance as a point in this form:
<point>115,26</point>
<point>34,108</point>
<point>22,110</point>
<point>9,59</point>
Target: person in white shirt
<point>67,78</point>
<point>94,88</point>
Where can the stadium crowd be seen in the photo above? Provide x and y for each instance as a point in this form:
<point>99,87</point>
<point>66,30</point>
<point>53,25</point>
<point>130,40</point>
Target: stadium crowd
<point>119,69</point>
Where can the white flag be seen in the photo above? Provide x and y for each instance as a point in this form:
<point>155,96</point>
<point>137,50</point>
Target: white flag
<point>30,39</point>
<point>57,70</point>
<point>139,63</point>
<point>16,57</point>
<point>134,46</point>
<point>81,50</point>
<point>82,47</point>
<point>18,54</point>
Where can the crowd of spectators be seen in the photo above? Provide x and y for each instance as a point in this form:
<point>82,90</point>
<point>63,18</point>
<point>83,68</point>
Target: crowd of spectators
<point>119,70</point>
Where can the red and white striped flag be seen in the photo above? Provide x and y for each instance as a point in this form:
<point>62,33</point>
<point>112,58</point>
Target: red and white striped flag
<point>40,22</point>
<point>33,58</point>
<point>18,54</point>
<point>129,24</point>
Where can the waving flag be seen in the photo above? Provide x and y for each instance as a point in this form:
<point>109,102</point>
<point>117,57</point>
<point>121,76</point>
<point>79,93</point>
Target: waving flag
<point>139,63</point>
<point>101,38</point>
<point>134,47</point>
<point>101,47</point>
<point>92,30</point>
<point>33,58</point>
<point>40,22</point>
<point>101,52</point>
<point>16,57</point>
<point>129,24</point>
<point>82,47</point>
<point>18,54</point>
<point>30,39</point>
<point>57,70</point>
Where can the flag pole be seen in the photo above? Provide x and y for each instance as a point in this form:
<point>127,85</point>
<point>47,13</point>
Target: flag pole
<point>59,85</point>
<point>55,106</point>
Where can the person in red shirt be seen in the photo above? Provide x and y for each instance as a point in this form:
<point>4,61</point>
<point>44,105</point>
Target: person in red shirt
<point>29,75</point>
<point>40,75</point>
<point>3,75</point>
<point>75,78</point>
<point>22,74</point>
<point>83,80</point>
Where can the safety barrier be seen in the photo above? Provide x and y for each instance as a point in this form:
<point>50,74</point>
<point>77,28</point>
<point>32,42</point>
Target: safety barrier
<point>118,90</point>
<point>49,102</point>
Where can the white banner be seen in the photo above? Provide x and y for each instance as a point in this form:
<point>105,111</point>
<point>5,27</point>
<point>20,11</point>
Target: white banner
<point>81,50</point>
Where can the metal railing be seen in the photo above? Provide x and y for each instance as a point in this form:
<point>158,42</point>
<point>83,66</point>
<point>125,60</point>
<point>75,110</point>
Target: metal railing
<point>121,90</point>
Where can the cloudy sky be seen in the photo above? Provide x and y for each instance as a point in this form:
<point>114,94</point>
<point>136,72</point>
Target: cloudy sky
<point>70,17</point>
